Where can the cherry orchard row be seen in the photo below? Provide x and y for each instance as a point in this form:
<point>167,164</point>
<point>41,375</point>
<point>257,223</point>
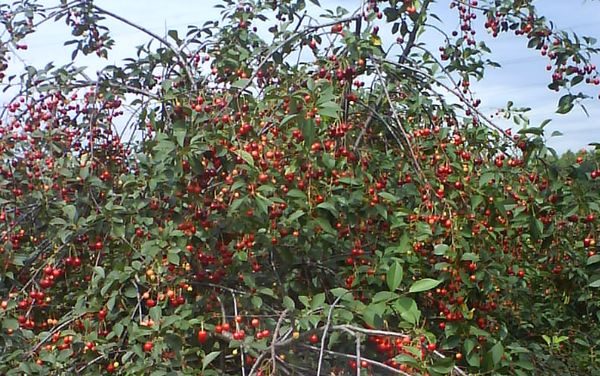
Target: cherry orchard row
<point>335,215</point>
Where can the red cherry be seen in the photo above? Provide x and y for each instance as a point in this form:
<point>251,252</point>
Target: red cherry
<point>148,346</point>
<point>255,323</point>
<point>314,339</point>
<point>202,336</point>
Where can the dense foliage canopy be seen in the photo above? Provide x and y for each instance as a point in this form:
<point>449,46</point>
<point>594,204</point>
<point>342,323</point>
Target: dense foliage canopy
<point>282,194</point>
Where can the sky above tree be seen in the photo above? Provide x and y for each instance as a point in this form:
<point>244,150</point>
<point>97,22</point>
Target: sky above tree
<point>522,78</point>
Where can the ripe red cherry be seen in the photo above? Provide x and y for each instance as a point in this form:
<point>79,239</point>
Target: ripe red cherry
<point>148,346</point>
<point>313,339</point>
<point>202,336</point>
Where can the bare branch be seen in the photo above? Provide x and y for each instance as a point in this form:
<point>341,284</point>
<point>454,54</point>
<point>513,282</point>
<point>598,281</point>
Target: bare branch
<point>273,342</point>
<point>398,122</point>
<point>324,336</point>
<point>180,56</point>
<point>370,361</point>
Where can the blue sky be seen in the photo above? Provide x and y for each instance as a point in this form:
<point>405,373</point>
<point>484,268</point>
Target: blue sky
<point>522,78</point>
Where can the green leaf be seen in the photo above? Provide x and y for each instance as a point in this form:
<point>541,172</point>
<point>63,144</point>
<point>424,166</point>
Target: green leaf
<point>70,211</point>
<point>527,365</point>
<point>424,285</point>
<point>595,284</point>
<point>263,204</point>
<point>328,161</point>
<point>440,249</point>
<point>565,104</point>
<point>209,358</point>
<point>442,366</point>
<point>338,291</point>
<point>325,225</point>
<point>329,109</point>
<point>173,34</point>
<point>247,157</point>
<point>173,258</point>
<point>593,259</point>
<point>241,83</point>
<point>329,207</point>
<point>9,323</point>
<point>350,181</point>
<point>405,359</point>
<point>256,301</point>
<point>382,296</point>
<point>373,314</point>
<point>470,256</point>
<point>486,178</point>
<point>289,303</point>
<point>408,310</point>
<point>388,196</point>
<point>180,131</point>
<point>296,193</point>
<point>382,211</point>
<point>394,276</point>
<point>295,215</point>
<point>317,301</point>
<point>497,351</point>
<point>304,300</point>
<point>99,271</point>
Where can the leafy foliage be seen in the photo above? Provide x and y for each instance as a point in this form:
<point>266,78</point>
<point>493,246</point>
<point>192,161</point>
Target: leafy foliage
<point>280,213</point>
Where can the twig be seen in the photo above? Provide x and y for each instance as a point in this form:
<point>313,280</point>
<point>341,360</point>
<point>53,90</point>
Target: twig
<point>358,355</point>
<point>139,299</point>
<point>353,328</point>
<point>256,364</point>
<point>54,330</point>
<point>225,288</point>
<point>370,361</point>
<point>237,328</point>
<point>180,56</point>
<point>324,336</point>
<point>398,122</point>
<point>294,35</point>
<point>412,37</point>
<point>283,368</point>
<point>455,93</point>
<point>456,369</point>
<point>274,340</point>
<point>89,363</point>
<point>223,320</point>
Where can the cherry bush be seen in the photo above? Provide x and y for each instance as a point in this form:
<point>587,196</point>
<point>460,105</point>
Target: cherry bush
<point>279,194</point>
